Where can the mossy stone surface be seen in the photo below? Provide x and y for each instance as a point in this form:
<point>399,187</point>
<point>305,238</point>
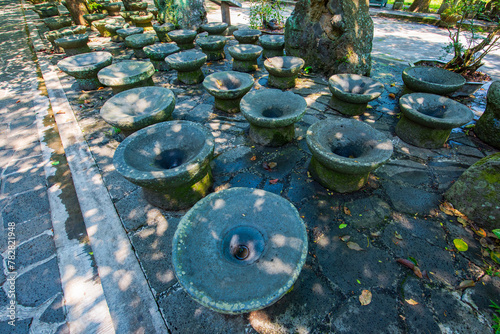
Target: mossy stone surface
<point>247,36</point>
<point>214,28</point>
<point>163,30</point>
<point>273,137</point>
<point>127,74</point>
<point>432,80</point>
<point>488,126</point>
<point>420,135</point>
<point>347,108</point>
<point>191,77</point>
<point>333,180</point>
<point>476,193</point>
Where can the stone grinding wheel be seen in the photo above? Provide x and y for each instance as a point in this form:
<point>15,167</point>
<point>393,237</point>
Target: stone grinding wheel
<point>239,250</point>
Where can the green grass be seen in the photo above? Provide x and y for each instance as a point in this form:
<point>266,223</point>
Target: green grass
<point>434,6</point>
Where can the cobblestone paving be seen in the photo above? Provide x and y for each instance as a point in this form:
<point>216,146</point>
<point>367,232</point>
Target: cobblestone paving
<point>395,216</point>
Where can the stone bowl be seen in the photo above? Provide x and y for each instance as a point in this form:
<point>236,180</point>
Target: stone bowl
<point>427,119</point>
<point>143,21</point>
<point>84,67</point>
<point>46,11</point>
<point>138,41</point>
<point>245,57</point>
<point>125,32</point>
<point>57,22</point>
<point>247,36</point>
<point>52,35</point>
<point>344,152</point>
<point>170,161</point>
<point>283,71</point>
<point>112,29</point>
<point>74,44</point>
<point>127,14</point>
<point>214,28</point>
<point>188,65</point>
<point>183,37</point>
<point>158,52</point>
<point>112,8</point>
<point>163,30</point>
<point>228,88</point>
<point>432,80</point>
<point>137,6</point>
<point>138,108</point>
<point>212,46</point>
<point>352,92</point>
<point>126,75</point>
<point>272,114</point>
<point>94,17</point>
<point>230,250</point>
<point>273,45</point>
<point>100,26</point>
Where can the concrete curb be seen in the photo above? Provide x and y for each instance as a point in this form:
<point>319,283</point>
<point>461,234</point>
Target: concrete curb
<point>130,301</point>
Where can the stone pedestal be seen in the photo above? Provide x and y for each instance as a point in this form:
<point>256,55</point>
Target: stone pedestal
<point>283,71</point>
<point>126,75</point>
<point>184,38</point>
<point>212,46</point>
<point>138,41</point>
<point>84,68</point>
<point>228,88</point>
<point>245,57</point>
<point>74,44</point>
<point>158,52</point>
<point>273,45</point>
<point>188,66</point>
<point>163,30</point>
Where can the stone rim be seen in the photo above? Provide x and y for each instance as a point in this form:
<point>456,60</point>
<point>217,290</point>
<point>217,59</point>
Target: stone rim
<point>424,79</point>
<point>337,84</point>
<point>125,32</point>
<point>160,51</point>
<point>186,61</point>
<point>253,300</point>
<point>126,121</point>
<point>254,103</point>
<point>211,42</point>
<point>182,36</point>
<point>72,41</point>
<point>101,60</point>
<point>290,66</point>
<point>214,27</point>
<point>247,36</point>
<point>174,176</point>
<point>457,114</point>
<point>272,42</point>
<point>139,71</point>
<point>138,41</point>
<point>210,84</point>
<point>319,144</point>
<point>245,51</point>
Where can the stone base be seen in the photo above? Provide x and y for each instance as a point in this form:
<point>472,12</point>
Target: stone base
<point>273,137</point>
<point>146,26</point>
<point>116,39</point>
<point>187,46</point>
<point>245,65</point>
<point>346,108</point>
<point>139,53</point>
<point>214,55</point>
<point>160,65</point>
<point>77,51</point>
<point>191,78</point>
<point>89,83</point>
<point>333,180</point>
<point>281,82</point>
<point>272,53</point>
<point>180,197</point>
<point>229,106</point>
<point>419,135</point>
<point>488,128</point>
<point>142,83</point>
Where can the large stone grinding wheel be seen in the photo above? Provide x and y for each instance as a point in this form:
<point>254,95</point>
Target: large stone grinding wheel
<point>239,250</point>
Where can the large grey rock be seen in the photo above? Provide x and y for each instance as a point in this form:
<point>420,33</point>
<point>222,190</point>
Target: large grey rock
<point>488,126</point>
<point>477,192</point>
<point>188,14</point>
<point>333,36</point>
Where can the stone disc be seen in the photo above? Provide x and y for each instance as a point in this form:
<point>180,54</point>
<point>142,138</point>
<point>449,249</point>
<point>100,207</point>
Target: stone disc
<point>239,250</point>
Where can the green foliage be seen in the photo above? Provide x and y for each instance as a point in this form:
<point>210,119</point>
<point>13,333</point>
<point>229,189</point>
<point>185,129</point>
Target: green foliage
<point>496,318</point>
<point>261,10</point>
<point>167,11</point>
<point>93,6</point>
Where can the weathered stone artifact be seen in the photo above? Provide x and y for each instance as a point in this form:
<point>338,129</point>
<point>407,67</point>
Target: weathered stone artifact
<point>138,41</point>
<point>344,152</point>
<point>84,68</point>
<point>170,161</point>
<point>158,52</point>
<point>184,38</point>
<point>245,57</point>
<point>74,44</point>
<point>433,80</point>
<point>188,66</point>
<point>273,45</point>
<point>212,46</point>
<point>488,126</point>
<point>332,36</point>
<point>126,75</point>
<point>227,250</point>
<point>215,28</point>
<point>247,36</point>
<point>228,88</point>
<point>283,71</point>
<point>427,119</point>
<point>351,93</point>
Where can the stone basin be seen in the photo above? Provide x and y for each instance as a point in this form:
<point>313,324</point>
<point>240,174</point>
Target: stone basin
<point>427,119</point>
<point>138,108</point>
<point>227,250</point>
<point>158,52</point>
<point>245,57</point>
<point>112,8</point>
<point>170,161</point>
<point>138,41</point>
<point>143,21</point>
<point>125,32</point>
<point>188,66</point>
<point>272,114</point>
<point>273,45</point>
<point>183,37</point>
<point>52,35</point>
<point>352,92</point>
<point>344,152</point>
<point>432,80</point>
<point>214,28</point>
<point>137,6</point>
<point>74,44</point>
<point>228,88</point>
<point>112,29</point>
<point>94,17</point>
<point>283,71</point>
<point>100,26</point>
<point>212,46</point>
<point>84,68</point>
<point>57,22</point>
<point>247,36</point>
<point>126,75</point>
<point>46,11</point>
<point>163,30</point>
<point>127,14</point>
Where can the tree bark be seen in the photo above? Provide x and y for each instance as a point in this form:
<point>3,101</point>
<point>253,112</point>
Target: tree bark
<point>420,6</point>
<point>77,8</point>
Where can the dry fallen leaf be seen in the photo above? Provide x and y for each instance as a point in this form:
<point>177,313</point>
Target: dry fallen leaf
<point>272,164</point>
<point>392,96</point>
<point>411,301</point>
<point>417,272</point>
<point>354,246</point>
<point>397,235</point>
<point>253,158</point>
<point>347,211</point>
<point>365,298</point>
<point>273,181</point>
<point>465,284</point>
<point>345,238</point>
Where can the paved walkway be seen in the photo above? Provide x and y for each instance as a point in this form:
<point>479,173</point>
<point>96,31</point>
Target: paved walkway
<point>121,245</point>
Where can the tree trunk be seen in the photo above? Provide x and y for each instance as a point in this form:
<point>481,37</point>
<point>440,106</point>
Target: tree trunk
<point>420,6</point>
<point>77,8</point>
